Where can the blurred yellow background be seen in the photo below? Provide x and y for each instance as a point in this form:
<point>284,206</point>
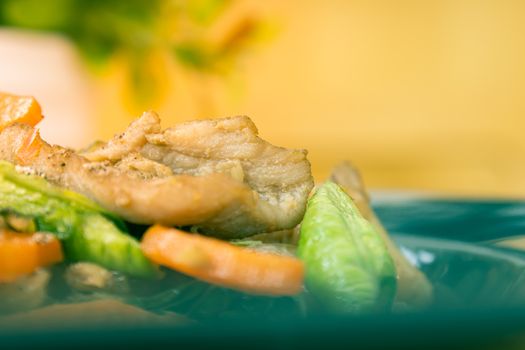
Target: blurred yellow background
<point>420,95</point>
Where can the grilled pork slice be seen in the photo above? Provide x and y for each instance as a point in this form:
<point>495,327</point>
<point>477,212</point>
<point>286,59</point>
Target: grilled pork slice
<point>215,174</point>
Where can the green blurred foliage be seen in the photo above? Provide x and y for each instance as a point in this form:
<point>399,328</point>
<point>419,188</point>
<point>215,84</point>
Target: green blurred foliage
<point>192,55</point>
<point>204,11</point>
<point>98,27</point>
<point>102,28</point>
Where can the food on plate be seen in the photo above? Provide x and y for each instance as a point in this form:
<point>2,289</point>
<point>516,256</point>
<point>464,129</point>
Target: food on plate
<point>204,219</point>
<point>19,109</point>
<point>348,264</point>
<point>87,232</point>
<point>413,287</point>
<point>225,264</point>
<point>98,313</point>
<point>25,293</point>
<point>23,253</point>
<point>216,174</point>
<point>86,276</point>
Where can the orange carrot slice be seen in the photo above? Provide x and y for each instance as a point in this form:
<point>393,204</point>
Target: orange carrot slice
<point>22,253</point>
<point>222,263</point>
<point>19,109</point>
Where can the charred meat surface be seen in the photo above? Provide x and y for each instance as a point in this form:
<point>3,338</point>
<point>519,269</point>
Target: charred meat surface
<point>218,175</point>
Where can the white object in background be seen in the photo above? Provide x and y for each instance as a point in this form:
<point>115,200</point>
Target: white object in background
<point>49,68</point>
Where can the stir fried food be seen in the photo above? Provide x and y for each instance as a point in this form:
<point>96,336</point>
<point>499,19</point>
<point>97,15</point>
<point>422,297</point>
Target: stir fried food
<point>215,174</point>
<point>199,210</point>
<point>413,288</point>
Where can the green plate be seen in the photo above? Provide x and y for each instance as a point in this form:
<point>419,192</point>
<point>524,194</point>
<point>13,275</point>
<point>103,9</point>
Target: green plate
<point>466,275</point>
<point>454,219</point>
<point>479,295</point>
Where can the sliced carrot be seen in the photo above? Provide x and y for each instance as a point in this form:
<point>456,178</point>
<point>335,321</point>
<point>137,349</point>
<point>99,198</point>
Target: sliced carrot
<point>22,253</point>
<point>19,109</point>
<point>222,263</point>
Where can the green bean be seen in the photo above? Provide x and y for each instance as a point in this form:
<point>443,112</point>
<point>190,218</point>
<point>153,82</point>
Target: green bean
<point>348,267</point>
<point>88,232</point>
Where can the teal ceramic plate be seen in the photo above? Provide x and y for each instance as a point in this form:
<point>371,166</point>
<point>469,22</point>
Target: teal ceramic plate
<point>467,275</point>
<point>479,294</point>
<point>455,219</point>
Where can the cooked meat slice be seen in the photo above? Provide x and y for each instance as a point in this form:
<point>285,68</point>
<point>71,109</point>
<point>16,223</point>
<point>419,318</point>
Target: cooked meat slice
<point>127,142</point>
<point>175,200</point>
<point>136,164</point>
<point>213,197</point>
<point>280,176</point>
